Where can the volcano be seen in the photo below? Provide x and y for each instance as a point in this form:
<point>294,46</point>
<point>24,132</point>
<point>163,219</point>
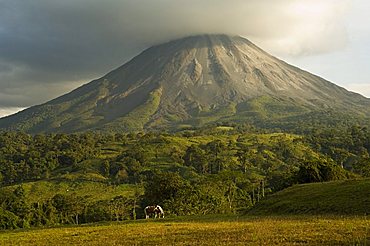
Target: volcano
<point>190,82</point>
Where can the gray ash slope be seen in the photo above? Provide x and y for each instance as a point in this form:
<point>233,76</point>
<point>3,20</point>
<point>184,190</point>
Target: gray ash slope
<point>190,82</point>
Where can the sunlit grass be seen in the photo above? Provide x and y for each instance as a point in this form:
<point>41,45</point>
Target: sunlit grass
<point>336,197</point>
<point>210,230</point>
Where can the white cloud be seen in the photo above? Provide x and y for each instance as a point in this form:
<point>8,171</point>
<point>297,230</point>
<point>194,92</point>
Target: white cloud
<point>9,111</point>
<point>46,45</point>
<point>363,89</point>
<point>311,27</point>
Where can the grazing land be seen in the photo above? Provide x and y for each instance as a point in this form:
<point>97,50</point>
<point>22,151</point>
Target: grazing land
<point>345,197</point>
<point>205,230</point>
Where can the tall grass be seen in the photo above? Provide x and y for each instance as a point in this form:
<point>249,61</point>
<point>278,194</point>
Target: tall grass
<point>214,230</point>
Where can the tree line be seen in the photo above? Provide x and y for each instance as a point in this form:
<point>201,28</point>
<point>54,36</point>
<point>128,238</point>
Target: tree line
<point>17,212</point>
<point>187,173</point>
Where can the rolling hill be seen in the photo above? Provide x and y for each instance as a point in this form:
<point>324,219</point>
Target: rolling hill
<point>349,197</point>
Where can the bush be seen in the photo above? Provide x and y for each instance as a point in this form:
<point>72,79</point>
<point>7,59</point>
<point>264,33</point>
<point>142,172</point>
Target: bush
<point>319,171</point>
<point>8,220</point>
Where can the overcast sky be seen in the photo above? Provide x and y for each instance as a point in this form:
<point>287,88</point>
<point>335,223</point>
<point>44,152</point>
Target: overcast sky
<point>49,47</point>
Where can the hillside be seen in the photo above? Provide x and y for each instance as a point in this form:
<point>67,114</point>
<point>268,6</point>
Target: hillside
<point>82,178</point>
<point>350,197</point>
<point>91,191</point>
<point>104,159</point>
<point>192,82</point>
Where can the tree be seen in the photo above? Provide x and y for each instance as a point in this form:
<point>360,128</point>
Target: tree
<point>68,207</point>
<point>135,199</point>
<point>363,167</point>
<point>17,204</point>
<point>98,211</point>
<point>60,203</point>
<point>162,186</point>
<point>215,147</point>
<point>76,207</point>
<point>120,208</point>
<point>319,171</point>
<point>106,168</point>
<point>8,220</point>
<point>243,155</point>
<point>176,155</point>
<point>134,167</point>
<point>196,157</point>
<point>138,153</point>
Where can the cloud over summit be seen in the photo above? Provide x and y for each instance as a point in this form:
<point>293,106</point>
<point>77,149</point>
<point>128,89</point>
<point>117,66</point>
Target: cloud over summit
<point>48,47</point>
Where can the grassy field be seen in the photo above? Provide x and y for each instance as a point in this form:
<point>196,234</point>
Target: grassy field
<point>209,230</point>
<point>346,197</point>
<point>43,190</point>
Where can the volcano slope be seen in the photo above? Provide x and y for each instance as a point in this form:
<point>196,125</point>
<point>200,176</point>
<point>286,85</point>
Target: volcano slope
<point>192,82</point>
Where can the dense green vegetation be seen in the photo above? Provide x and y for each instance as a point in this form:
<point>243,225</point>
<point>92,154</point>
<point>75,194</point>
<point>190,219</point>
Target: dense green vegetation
<point>82,178</point>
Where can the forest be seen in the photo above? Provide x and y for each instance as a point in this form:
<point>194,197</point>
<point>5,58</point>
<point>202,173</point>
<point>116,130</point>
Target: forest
<point>214,170</point>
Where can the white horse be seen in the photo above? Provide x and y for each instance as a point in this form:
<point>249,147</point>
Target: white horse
<point>159,212</point>
<point>156,210</point>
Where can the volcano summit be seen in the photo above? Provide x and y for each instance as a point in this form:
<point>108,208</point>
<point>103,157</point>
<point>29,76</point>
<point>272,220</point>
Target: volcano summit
<point>191,82</point>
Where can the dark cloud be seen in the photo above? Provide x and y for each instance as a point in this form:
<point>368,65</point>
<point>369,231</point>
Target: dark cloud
<point>49,47</point>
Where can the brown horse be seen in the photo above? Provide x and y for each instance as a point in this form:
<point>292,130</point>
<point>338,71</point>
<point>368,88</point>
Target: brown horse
<point>156,210</point>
